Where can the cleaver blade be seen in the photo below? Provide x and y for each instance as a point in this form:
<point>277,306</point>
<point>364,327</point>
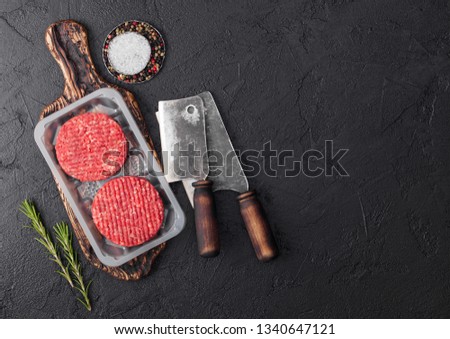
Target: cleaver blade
<point>185,157</point>
<point>183,139</point>
<point>227,173</point>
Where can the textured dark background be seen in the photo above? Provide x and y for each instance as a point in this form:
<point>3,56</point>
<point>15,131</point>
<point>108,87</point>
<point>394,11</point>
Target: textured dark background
<point>373,76</point>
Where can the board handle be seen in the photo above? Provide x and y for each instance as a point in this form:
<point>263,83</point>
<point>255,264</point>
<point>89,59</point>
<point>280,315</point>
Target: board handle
<point>68,43</point>
<point>257,226</point>
<point>205,219</point>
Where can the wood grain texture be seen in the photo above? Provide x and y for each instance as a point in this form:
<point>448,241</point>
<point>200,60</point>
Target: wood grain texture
<point>68,44</point>
<point>257,226</point>
<point>206,224</point>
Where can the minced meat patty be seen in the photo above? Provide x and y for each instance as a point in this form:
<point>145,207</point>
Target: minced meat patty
<point>91,146</point>
<point>128,211</point>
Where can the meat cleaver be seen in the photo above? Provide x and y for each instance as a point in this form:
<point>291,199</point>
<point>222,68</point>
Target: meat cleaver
<point>228,175</point>
<point>185,157</point>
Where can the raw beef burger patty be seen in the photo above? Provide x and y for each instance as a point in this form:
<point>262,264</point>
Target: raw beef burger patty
<point>91,147</point>
<point>128,211</point>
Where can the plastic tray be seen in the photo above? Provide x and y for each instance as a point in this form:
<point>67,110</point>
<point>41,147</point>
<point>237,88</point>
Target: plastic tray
<point>140,162</point>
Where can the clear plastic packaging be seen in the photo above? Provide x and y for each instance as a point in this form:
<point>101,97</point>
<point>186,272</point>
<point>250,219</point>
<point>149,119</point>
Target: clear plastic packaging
<point>140,162</point>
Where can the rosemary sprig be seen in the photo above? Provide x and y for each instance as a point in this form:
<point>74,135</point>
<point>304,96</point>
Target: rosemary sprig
<point>28,209</point>
<point>64,237</point>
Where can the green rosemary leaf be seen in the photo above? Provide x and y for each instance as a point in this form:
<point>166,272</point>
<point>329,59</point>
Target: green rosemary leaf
<point>29,210</point>
<point>64,238</point>
<point>88,306</point>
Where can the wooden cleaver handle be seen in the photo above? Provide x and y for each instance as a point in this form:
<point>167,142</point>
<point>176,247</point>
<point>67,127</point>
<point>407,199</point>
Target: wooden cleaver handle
<point>205,219</point>
<point>257,226</point>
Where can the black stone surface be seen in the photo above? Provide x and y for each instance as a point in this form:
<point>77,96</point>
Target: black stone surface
<point>373,76</point>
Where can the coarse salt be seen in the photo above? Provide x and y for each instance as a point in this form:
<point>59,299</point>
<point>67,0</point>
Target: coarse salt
<point>129,53</point>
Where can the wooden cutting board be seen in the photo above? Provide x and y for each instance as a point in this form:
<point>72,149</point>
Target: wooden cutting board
<point>68,44</point>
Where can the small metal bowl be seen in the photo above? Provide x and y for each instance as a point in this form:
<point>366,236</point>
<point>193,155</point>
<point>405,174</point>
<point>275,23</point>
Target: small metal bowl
<point>158,51</point>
